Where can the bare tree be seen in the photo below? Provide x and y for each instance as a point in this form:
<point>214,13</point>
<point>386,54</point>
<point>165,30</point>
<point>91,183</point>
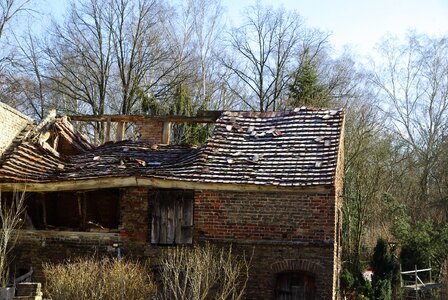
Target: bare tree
<point>11,210</point>
<point>9,9</point>
<point>193,33</point>
<point>79,58</point>
<point>413,82</point>
<point>369,166</point>
<point>207,26</point>
<point>142,55</point>
<point>27,76</point>
<point>264,52</point>
<point>80,55</point>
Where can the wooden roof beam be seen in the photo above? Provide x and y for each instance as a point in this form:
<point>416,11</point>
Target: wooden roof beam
<point>134,181</point>
<point>202,117</point>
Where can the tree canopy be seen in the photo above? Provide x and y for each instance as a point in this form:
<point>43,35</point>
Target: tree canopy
<point>179,57</point>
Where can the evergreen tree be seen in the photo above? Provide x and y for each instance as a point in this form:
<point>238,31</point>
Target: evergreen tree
<point>305,89</point>
<point>188,133</point>
<point>385,271</point>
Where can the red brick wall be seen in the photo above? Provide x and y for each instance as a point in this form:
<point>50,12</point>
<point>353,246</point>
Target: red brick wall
<point>265,216</point>
<point>134,213</point>
<point>271,259</point>
<point>150,131</point>
<point>286,232</point>
<point>35,247</point>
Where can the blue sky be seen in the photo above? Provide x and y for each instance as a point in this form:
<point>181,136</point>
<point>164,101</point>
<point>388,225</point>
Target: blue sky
<point>358,23</point>
<point>362,23</point>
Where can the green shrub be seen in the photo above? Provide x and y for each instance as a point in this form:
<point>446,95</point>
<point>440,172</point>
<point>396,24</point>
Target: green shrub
<point>347,280</point>
<point>383,290</point>
<point>386,271</point>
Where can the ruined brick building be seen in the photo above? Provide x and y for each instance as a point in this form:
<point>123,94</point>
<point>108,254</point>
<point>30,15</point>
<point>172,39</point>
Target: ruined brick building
<point>267,182</point>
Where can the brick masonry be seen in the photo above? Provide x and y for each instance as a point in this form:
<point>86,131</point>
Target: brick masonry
<point>288,232</point>
<point>134,215</point>
<point>33,248</point>
<point>265,216</point>
<point>285,232</point>
<point>150,131</point>
<point>11,123</point>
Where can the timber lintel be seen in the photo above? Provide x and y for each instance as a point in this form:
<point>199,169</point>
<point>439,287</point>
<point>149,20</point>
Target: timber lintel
<point>133,181</point>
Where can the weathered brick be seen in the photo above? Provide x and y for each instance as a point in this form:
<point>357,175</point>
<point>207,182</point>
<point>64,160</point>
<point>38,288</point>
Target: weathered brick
<point>150,131</point>
<point>282,232</point>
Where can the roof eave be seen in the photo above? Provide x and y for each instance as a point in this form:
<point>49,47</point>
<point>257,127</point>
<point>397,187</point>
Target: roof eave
<point>134,181</point>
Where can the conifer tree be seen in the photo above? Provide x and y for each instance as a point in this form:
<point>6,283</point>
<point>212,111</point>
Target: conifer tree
<point>305,89</point>
<point>385,271</point>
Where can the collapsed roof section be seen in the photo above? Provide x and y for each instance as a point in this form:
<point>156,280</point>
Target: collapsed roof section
<point>40,149</point>
<point>297,148</point>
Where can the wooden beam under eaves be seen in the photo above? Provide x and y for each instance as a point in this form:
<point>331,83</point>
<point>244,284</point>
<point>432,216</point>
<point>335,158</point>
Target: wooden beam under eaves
<point>205,118</point>
<point>122,182</point>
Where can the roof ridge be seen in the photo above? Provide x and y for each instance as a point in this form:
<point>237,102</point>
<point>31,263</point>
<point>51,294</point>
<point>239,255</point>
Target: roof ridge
<point>51,117</point>
<point>279,113</point>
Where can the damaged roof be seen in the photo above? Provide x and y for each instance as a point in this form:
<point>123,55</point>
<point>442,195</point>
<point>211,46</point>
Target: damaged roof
<point>297,148</point>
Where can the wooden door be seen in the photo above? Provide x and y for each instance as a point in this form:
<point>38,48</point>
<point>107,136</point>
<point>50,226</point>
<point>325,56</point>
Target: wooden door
<point>295,286</point>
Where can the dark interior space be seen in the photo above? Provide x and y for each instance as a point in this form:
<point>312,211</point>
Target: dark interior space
<point>77,211</point>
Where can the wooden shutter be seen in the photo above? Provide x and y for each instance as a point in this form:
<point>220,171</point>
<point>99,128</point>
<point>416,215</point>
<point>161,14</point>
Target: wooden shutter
<point>186,224</point>
<point>172,217</point>
<point>155,219</point>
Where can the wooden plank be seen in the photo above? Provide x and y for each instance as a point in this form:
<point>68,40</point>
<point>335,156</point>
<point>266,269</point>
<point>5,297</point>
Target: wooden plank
<point>121,126</point>
<point>24,278</point>
<point>128,181</point>
<point>140,118</point>
<point>42,200</point>
<point>163,222</point>
<point>178,216</point>
<point>107,135</point>
<point>155,223</point>
<point>166,133</point>
<point>80,209</point>
<point>56,142</point>
<point>187,218</point>
<point>415,271</point>
<point>170,226</point>
<point>84,211</point>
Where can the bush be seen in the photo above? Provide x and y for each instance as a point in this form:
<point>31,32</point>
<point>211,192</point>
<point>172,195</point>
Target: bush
<point>353,284</point>
<point>347,280</point>
<point>383,290</point>
<point>203,272</point>
<point>98,279</point>
<point>386,271</point>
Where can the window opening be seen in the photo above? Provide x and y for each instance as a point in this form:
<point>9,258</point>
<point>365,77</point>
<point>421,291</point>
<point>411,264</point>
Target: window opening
<point>95,211</point>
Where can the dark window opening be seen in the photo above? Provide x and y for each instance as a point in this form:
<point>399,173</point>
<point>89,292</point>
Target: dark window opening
<point>171,216</point>
<point>295,286</point>
<point>75,211</point>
